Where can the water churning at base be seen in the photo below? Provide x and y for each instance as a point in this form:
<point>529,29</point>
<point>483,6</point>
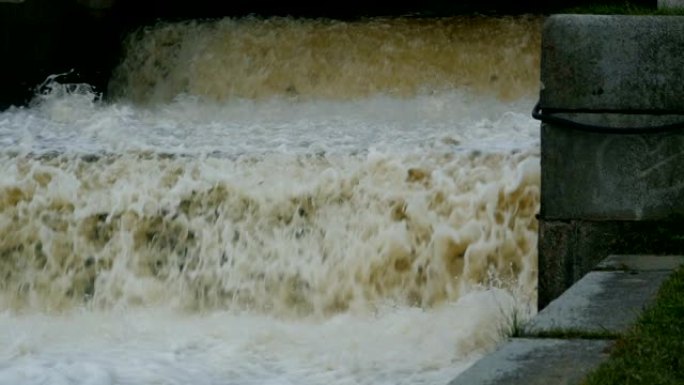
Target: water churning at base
<point>285,235</point>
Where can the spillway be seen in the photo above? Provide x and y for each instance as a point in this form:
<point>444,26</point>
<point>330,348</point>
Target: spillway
<point>275,201</point>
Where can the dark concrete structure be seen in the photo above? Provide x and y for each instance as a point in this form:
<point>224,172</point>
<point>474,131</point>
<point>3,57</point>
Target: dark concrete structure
<point>612,151</point>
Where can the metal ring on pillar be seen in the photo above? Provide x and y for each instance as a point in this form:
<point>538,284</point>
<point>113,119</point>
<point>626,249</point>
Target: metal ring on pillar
<point>537,113</point>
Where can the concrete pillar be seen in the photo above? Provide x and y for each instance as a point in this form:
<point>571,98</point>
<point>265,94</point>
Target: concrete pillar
<point>609,183</point>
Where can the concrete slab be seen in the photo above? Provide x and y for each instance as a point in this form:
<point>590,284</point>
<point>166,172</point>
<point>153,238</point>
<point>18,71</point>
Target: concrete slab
<point>641,262</point>
<point>602,301</point>
<point>537,362</point>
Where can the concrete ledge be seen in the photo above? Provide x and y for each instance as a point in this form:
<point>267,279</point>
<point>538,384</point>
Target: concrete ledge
<point>601,62</point>
<point>624,284</point>
<point>537,362</point>
<point>601,302</point>
<point>641,262</point>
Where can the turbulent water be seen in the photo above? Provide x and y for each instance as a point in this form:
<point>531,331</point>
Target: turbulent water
<point>275,201</point>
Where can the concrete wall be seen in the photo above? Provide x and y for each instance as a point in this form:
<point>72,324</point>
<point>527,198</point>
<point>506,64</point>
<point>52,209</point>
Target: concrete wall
<point>605,193</point>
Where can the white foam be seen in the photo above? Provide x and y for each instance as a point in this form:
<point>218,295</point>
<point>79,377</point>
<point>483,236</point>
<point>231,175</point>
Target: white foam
<point>394,346</point>
<point>445,121</point>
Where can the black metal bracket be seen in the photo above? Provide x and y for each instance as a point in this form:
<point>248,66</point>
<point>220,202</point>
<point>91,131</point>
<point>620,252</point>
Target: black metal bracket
<point>538,113</point>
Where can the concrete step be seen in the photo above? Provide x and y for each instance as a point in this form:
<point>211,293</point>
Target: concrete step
<point>641,262</point>
<point>601,302</point>
<point>533,361</point>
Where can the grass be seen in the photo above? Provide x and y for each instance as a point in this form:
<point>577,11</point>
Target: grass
<point>515,328</point>
<point>652,352</point>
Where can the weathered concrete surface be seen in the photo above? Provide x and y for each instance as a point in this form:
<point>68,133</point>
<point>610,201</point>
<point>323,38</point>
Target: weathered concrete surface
<point>594,67</point>
<point>613,62</point>
<point>569,249</point>
<point>617,177</point>
<point>641,262</point>
<point>537,362</point>
<point>602,301</point>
